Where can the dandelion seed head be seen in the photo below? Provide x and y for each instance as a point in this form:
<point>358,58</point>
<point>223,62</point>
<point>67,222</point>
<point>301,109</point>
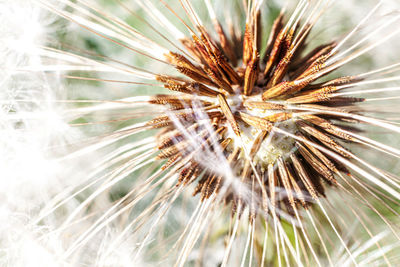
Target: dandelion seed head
<point>254,124</point>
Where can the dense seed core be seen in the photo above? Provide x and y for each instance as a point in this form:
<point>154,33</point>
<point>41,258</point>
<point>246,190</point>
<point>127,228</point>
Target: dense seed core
<point>256,111</point>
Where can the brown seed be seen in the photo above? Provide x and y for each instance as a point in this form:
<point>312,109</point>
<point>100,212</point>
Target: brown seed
<point>173,150</point>
<point>164,120</point>
<point>272,184</point>
<point>326,140</point>
<point>304,63</point>
<point>319,154</point>
<point>176,102</point>
<point>323,94</point>
<point>228,114</point>
<point>170,161</point>
<point>316,164</point>
<point>286,183</point>
<point>256,122</point>
<point>225,43</point>
<point>254,149</point>
<point>299,193</point>
<point>201,89</point>
<point>181,61</point>
<point>248,44</point>
<point>189,173</point>
<point>279,117</point>
<point>282,88</point>
<point>276,48</point>
<point>283,65</point>
<point>276,28</point>
<point>263,105</point>
<point>304,176</point>
<point>222,84</point>
<point>251,74</point>
<point>172,137</point>
<point>346,80</point>
<point>327,126</point>
<point>315,67</point>
<point>195,76</point>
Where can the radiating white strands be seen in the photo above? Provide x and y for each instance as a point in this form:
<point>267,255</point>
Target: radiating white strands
<point>78,180</point>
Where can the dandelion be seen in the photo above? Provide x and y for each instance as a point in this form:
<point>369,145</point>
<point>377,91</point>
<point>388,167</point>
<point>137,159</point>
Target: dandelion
<point>248,148</point>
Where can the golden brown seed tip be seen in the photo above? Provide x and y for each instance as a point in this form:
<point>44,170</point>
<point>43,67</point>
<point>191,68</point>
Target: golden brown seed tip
<point>251,74</point>
<point>228,114</point>
<point>256,122</point>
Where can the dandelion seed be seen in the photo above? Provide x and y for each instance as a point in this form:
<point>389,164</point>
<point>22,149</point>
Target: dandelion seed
<point>259,124</point>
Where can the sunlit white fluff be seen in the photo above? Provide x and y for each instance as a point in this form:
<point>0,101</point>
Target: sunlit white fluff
<point>29,126</point>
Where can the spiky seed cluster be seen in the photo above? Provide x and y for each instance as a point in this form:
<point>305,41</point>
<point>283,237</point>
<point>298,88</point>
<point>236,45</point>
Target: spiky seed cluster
<point>253,106</point>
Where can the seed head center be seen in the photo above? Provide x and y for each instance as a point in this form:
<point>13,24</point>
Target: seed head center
<point>272,147</point>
